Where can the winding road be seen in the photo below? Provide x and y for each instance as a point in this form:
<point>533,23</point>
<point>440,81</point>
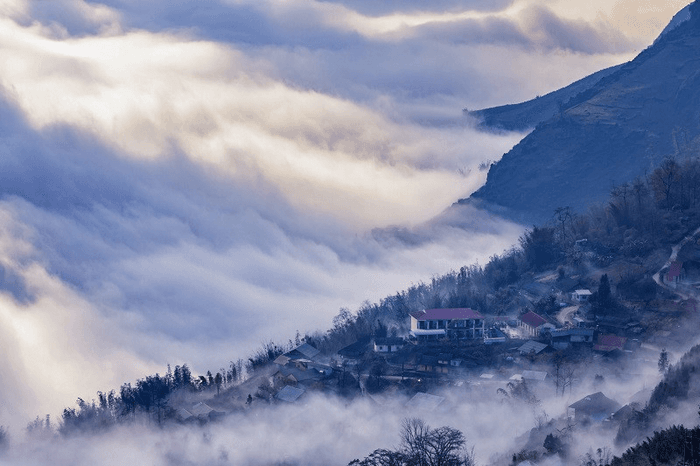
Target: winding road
<point>682,291</point>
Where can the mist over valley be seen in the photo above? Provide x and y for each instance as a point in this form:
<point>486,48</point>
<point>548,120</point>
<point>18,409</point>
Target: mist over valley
<point>232,232</point>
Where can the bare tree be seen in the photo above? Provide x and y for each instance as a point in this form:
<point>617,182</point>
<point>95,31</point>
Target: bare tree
<point>664,181</point>
<point>423,446</point>
<point>443,446</point>
<point>563,215</point>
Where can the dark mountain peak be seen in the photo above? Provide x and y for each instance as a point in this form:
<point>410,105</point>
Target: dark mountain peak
<point>527,115</point>
<point>618,129</point>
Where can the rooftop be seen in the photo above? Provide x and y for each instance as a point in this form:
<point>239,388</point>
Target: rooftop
<point>534,375</point>
<point>447,314</point>
<point>289,394</point>
<point>610,342</point>
<point>424,401</point>
<point>305,350</point>
<point>532,347</point>
<point>533,320</point>
<point>596,402</point>
<point>675,270</point>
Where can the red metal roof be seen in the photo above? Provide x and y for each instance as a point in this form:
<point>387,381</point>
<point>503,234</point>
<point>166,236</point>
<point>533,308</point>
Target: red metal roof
<point>533,320</point>
<point>447,314</point>
<point>675,270</point>
<point>610,342</point>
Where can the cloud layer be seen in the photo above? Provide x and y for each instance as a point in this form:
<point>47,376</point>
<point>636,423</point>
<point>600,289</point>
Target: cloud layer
<point>180,182</point>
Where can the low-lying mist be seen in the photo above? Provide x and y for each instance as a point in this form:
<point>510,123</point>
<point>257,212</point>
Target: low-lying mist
<point>327,430</point>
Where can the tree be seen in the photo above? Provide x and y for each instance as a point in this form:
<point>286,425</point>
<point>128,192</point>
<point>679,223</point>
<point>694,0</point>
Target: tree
<point>375,381</point>
<point>603,301</point>
<point>601,457</point>
<point>563,215</point>
<point>663,361</point>
<point>604,293</point>
<point>539,247</point>
<point>218,380</point>
<point>423,446</point>
<point>554,444</point>
<point>381,330</point>
<point>4,439</point>
<point>664,181</point>
<point>381,457</point>
<point>232,373</point>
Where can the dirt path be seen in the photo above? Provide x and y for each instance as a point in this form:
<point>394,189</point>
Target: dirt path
<point>685,293</point>
<point>565,314</point>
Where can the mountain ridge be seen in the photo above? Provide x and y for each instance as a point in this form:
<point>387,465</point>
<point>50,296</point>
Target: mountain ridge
<point>528,114</point>
<point>618,129</point>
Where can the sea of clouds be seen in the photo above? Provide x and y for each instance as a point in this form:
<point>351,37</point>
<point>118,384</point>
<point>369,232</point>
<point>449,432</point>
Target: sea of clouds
<point>181,181</point>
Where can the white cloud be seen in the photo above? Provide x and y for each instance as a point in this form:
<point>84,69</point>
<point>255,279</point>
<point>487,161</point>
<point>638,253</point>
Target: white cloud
<point>179,184</point>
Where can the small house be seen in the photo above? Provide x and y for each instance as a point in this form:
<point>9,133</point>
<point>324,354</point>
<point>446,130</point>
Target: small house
<point>563,338</point>
<point>424,402</point>
<point>534,376</point>
<point>388,345</point>
<point>305,351</point>
<point>581,296</point>
<point>596,407</point>
<point>532,323</point>
<point>427,364</point>
<point>355,351</point>
<point>532,347</point>
<point>295,376</point>
<point>610,343</point>
<point>289,394</point>
<point>203,412</point>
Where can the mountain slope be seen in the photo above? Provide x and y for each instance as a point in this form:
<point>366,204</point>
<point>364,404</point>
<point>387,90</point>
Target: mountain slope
<point>620,128</point>
<point>526,115</point>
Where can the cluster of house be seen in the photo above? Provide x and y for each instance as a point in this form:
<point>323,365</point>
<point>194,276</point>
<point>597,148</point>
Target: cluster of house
<point>465,323</point>
<point>201,412</point>
<point>298,371</point>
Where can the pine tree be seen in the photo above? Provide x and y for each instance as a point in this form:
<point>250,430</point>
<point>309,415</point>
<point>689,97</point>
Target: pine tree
<point>663,361</point>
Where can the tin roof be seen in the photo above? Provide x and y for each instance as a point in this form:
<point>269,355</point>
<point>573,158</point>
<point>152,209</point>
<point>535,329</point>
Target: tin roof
<point>289,394</point>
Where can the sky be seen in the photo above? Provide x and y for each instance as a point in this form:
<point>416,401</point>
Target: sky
<point>181,181</point>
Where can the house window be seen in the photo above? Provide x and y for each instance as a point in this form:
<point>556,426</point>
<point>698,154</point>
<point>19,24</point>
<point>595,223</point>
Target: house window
<point>421,325</point>
<point>433,324</point>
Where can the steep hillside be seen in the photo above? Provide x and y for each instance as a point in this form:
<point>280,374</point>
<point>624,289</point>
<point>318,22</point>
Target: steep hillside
<point>526,115</point>
<point>619,129</point>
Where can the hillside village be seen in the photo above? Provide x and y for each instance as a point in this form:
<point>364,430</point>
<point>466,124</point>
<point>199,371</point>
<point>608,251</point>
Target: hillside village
<point>597,316</point>
<point>585,303</point>
<point>540,351</point>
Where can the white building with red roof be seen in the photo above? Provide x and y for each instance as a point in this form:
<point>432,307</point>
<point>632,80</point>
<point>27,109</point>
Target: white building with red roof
<point>532,323</point>
<point>458,323</point>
